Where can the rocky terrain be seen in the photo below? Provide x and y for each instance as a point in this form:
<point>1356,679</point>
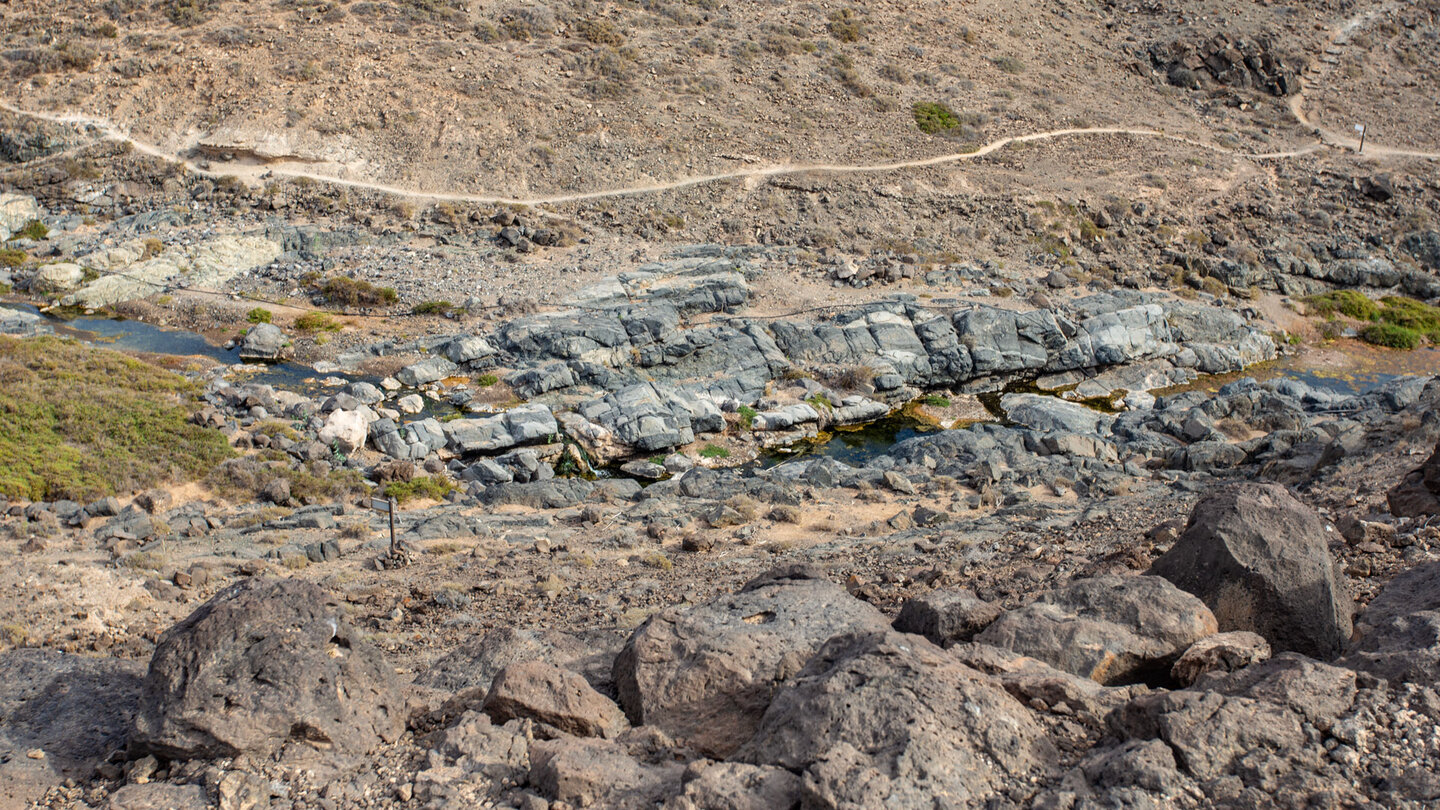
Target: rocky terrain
<point>707,407</point>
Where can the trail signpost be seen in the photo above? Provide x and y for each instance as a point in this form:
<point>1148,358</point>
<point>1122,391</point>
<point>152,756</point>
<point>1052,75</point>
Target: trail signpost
<point>386,505</point>
<point>1360,128</point>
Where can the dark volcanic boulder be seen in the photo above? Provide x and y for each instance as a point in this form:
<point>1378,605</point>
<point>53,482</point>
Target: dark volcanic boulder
<point>887,719</point>
<point>1114,630</point>
<point>947,616</point>
<point>704,675</point>
<point>1399,632</point>
<point>1259,559</point>
<point>1419,493</point>
<point>262,663</point>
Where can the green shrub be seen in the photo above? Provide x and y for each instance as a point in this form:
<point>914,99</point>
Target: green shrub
<point>1388,334</point>
<point>747,416</point>
<point>936,401</point>
<point>441,308</point>
<point>344,291</point>
<point>1349,303</point>
<point>258,315</point>
<point>80,422</point>
<point>486,380</point>
<point>12,257</point>
<point>933,118</point>
<point>34,229</point>
<point>714,451</point>
<point>1411,314</point>
<point>434,488</point>
<point>317,322</point>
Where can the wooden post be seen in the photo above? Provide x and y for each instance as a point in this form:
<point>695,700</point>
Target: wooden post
<point>1361,129</point>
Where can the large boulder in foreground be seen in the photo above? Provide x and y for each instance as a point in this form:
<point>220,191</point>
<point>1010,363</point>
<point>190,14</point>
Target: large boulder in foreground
<point>1114,630</point>
<point>261,664</point>
<point>1260,560</point>
<point>1419,493</point>
<point>704,675</point>
<point>1399,632</point>
<point>886,719</point>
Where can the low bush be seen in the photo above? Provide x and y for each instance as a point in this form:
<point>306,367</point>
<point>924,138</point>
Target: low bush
<point>34,229</point>
<point>317,322</point>
<point>933,118</point>
<point>1009,64</point>
<point>187,13</point>
<point>343,291</point>
<point>714,451</point>
<point>258,315</point>
<point>243,478</point>
<point>747,416</point>
<point>845,25</point>
<point>434,488</point>
<point>441,308</point>
<point>1349,303</point>
<point>1388,334</point>
<point>853,378</point>
<point>599,32</point>
<point>1411,314</point>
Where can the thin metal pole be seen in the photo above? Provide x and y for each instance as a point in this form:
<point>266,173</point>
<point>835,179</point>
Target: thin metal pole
<point>392,527</point>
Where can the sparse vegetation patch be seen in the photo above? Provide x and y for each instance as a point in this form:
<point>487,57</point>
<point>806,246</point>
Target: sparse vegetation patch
<point>81,422</point>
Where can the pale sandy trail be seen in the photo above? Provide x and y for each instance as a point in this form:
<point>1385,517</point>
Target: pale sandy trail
<point>112,131</point>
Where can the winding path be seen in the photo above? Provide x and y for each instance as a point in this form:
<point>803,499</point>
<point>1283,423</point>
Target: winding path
<point>109,130</point>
